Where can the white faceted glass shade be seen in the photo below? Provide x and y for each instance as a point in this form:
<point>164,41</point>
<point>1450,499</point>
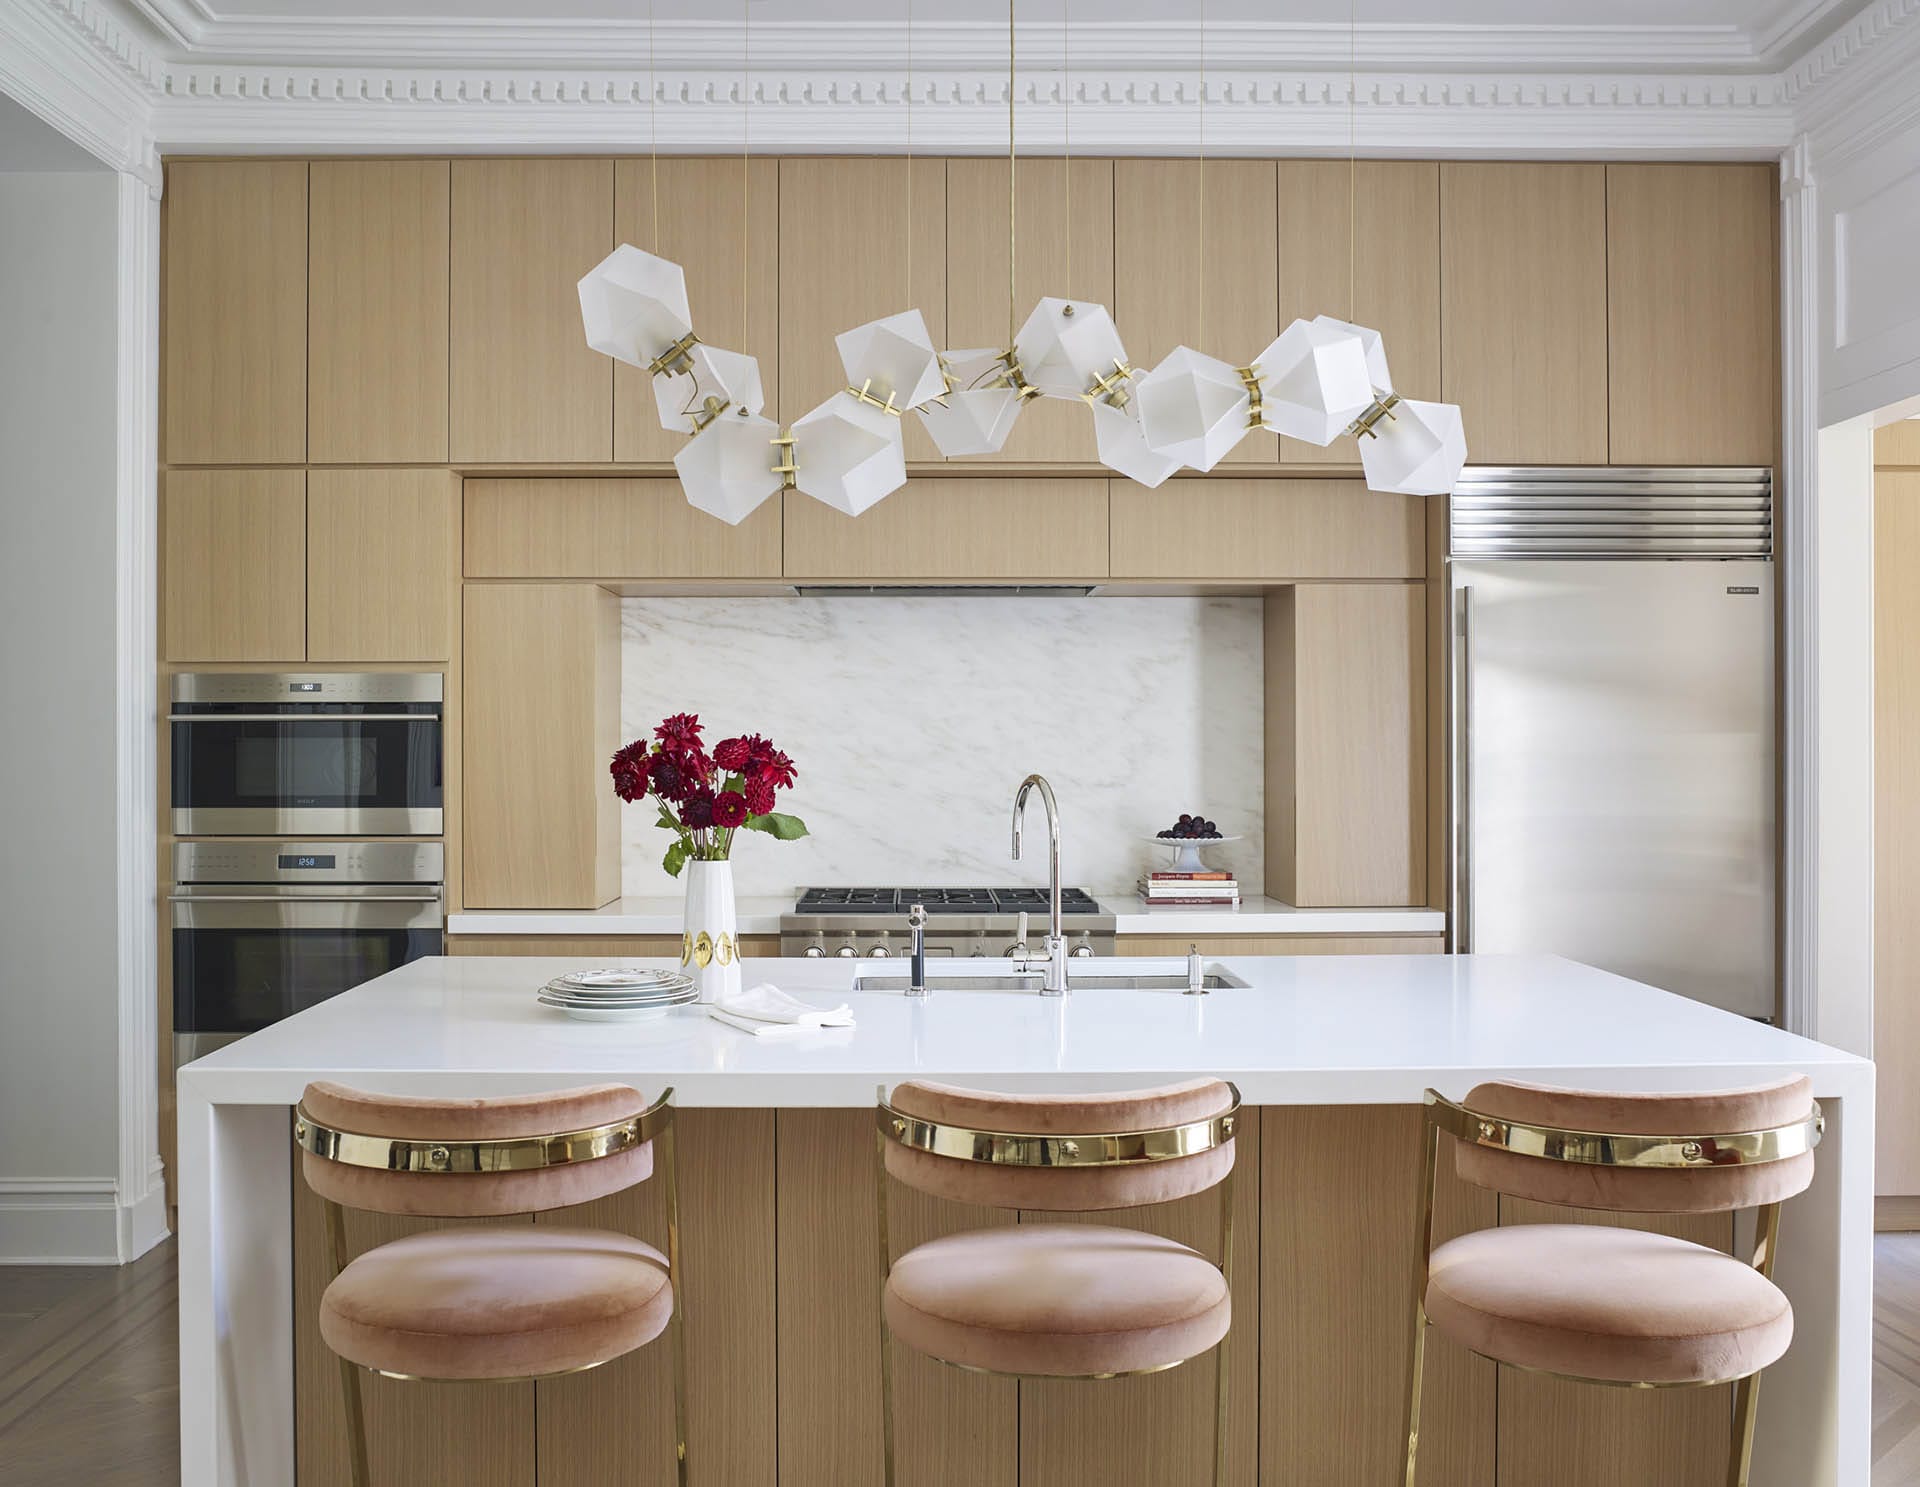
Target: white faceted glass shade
<point>1122,449</point>
<point>730,376</point>
<point>1314,380</point>
<point>1065,345</point>
<point>1419,451</point>
<point>848,454</point>
<point>893,355</point>
<point>727,469</point>
<point>1193,408</point>
<point>634,305</point>
<point>975,422</point>
<point>1371,343</point>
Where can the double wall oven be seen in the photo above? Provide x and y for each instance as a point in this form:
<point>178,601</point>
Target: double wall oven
<point>287,908</point>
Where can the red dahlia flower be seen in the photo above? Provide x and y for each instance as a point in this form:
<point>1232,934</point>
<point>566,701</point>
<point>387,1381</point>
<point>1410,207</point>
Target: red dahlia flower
<point>680,733</point>
<point>759,797</point>
<point>729,809</point>
<point>731,754</point>
<point>696,811</point>
<point>669,779</point>
<point>629,777</point>
<point>776,769</point>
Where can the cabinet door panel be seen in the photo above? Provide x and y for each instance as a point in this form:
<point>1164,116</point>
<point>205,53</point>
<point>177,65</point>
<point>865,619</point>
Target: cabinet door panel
<point>956,529</point>
<point>1693,329</point>
<point>707,226</point>
<point>610,529</point>
<point>1264,530</point>
<point>233,567</point>
<point>525,386</point>
<point>236,312</point>
<point>1524,305</point>
<point>1064,247</point>
<point>1384,274</point>
<point>379,565</point>
<point>1225,303</point>
<point>844,261</point>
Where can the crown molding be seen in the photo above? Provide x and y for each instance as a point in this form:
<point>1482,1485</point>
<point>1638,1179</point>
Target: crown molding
<point>61,62</point>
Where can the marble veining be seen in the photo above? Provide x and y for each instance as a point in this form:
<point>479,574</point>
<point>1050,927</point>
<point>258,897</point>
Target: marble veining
<point>913,719</point>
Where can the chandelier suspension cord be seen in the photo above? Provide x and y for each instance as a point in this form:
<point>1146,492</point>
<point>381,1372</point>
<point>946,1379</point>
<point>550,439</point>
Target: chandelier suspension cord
<point>909,295</point>
<point>1353,236</point>
<point>746,117</point>
<point>1012,238</point>
<point>1066,110</point>
<point>1200,231</point>
<point>653,131</point>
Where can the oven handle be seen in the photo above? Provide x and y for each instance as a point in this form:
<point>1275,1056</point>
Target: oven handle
<point>303,717</point>
<point>304,898</point>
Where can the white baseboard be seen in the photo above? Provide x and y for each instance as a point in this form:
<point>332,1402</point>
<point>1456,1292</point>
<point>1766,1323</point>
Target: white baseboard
<point>76,1221</point>
<point>142,1224</point>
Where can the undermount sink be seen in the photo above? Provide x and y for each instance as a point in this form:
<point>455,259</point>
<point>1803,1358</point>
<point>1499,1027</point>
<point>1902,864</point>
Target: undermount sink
<point>1213,978</point>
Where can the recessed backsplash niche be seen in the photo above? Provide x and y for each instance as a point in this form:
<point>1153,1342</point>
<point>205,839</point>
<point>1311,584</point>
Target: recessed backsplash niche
<point>913,720</point>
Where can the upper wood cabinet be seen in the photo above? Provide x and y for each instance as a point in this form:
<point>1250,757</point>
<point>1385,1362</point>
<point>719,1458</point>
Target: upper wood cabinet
<point>1524,305</point>
<point>1384,274</point>
<point>233,565</point>
<point>1225,304</point>
<point>707,226</point>
<point>525,386</point>
<point>1692,315</point>
<point>377,312</point>
<point>610,529</point>
<point>1897,443</point>
<point>541,718</point>
<point>957,529</point>
<point>1264,531</point>
<point>844,261</point>
<point>235,312</point>
<point>380,566</point>
<point>1064,248</point>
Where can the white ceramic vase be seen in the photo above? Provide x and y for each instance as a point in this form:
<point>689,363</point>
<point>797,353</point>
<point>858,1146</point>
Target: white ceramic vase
<point>710,946</point>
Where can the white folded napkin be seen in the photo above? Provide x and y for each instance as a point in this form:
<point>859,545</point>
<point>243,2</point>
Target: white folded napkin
<point>768,1012</point>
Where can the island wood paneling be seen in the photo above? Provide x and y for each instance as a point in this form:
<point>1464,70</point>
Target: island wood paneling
<point>235,285</point>
<point>1692,315</point>
<point>542,679</point>
<point>233,565</point>
<point>1340,1191</point>
<point>955,529</point>
<point>1250,944</point>
<point>1217,289</point>
<point>1064,248</point>
<point>1896,837</point>
<point>610,529</point>
<point>1346,746</point>
<point>380,565</point>
<point>525,387</point>
<point>1382,272</point>
<point>844,260</point>
<point>1523,283</point>
<point>379,246</point>
<point>710,225</point>
<point>1264,531</point>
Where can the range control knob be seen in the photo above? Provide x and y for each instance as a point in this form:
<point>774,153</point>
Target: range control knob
<point>846,951</point>
<point>814,951</point>
<point>878,952</point>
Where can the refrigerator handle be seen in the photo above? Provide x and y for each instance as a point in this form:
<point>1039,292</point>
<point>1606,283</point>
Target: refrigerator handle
<point>1460,920</point>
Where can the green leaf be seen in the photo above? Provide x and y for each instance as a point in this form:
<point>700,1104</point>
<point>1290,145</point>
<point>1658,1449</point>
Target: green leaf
<point>782,828</point>
<point>666,820</point>
<point>676,857</point>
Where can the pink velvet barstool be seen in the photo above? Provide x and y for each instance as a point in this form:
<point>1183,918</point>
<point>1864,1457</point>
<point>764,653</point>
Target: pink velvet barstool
<point>1058,1300</point>
<point>487,1303</point>
<point>1608,1305</point>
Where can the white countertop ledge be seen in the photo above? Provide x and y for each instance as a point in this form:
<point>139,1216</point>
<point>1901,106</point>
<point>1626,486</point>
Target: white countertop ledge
<point>761,916</point>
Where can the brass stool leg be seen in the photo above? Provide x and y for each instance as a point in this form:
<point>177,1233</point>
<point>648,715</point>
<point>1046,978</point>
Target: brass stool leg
<point>676,1320</point>
<point>886,1267</point>
<point>1220,1411</point>
<point>1746,1397</point>
<point>1414,1381</point>
<point>359,1465</point>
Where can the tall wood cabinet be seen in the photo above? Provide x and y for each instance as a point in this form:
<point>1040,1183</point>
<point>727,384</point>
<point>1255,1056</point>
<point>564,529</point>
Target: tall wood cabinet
<point>233,565</point>
<point>380,565</point>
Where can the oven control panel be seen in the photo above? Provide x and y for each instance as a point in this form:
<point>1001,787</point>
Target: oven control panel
<point>309,862</point>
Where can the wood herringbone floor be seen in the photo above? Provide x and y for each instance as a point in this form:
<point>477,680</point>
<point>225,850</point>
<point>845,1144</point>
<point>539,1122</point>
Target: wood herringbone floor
<point>89,1388</point>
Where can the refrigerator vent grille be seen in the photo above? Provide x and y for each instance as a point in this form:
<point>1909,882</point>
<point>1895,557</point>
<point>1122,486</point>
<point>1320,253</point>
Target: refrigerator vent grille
<point>1567,512</point>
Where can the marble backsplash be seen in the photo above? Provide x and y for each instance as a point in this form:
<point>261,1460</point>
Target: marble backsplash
<point>914,719</point>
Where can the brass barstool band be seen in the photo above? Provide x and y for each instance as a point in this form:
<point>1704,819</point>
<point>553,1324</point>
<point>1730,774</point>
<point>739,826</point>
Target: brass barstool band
<point>1613,1149</point>
<point>502,1154</point>
<point>1075,1149</point>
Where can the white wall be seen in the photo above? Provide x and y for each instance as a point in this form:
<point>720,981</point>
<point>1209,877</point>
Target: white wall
<point>59,1121</point>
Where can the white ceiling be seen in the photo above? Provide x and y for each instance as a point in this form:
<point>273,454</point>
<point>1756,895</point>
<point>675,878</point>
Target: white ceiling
<point>28,144</point>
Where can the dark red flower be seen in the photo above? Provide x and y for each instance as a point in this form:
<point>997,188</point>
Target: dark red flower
<point>669,779</point>
<point>759,796</point>
<point>776,769</point>
<point>680,733</point>
<point>696,811</point>
<point>731,754</point>
<point>629,769</point>
<point>729,809</point>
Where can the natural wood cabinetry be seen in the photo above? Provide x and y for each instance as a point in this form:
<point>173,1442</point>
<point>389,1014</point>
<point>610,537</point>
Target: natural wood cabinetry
<point>1373,260</point>
<point>1225,303</point>
<point>1896,838</point>
<point>1897,443</point>
<point>233,565</point>
<point>1264,531</point>
<point>709,226</point>
<point>380,567</point>
<point>525,386</point>
<point>844,260</point>
<point>377,312</point>
<point>1692,315</point>
<point>1251,944</point>
<point>610,529</point>
<point>542,677</point>
<point>1523,282</point>
<point>956,529</point>
<point>1064,248</point>
<point>1346,747</point>
<point>235,287</point>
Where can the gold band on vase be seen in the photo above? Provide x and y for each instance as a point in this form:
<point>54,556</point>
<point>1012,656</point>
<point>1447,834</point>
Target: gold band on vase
<point>705,949</point>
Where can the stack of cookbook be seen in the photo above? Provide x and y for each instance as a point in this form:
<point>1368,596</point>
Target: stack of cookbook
<point>1190,888</point>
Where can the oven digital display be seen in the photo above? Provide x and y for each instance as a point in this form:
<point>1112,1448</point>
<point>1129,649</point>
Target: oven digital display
<point>303,686</point>
<point>306,859</point>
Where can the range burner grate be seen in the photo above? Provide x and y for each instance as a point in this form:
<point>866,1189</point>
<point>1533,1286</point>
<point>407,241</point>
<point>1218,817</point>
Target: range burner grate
<point>1007,901</point>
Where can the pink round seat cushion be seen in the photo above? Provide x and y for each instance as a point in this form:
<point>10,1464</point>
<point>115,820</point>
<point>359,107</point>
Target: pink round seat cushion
<point>497,1302</point>
<point>1596,1302</point>
<point>1057,1299</point>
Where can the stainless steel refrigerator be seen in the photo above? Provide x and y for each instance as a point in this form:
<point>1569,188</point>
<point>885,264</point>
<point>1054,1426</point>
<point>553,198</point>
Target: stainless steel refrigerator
<point>1612,687</point>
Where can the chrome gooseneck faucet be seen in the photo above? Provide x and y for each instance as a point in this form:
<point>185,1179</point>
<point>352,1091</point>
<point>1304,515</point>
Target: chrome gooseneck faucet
<point>1055,983</point>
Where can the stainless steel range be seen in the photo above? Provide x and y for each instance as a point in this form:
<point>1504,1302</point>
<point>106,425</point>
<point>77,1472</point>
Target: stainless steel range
<point>977,922</point>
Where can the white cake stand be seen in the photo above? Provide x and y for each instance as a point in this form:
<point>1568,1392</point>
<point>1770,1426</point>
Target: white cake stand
<point>1186,851</point>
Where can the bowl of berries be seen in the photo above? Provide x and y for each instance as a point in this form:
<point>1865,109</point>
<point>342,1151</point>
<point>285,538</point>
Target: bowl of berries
<point>1187,836</point>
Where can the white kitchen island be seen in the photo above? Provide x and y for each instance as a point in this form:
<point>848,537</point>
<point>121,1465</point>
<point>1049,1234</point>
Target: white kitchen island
<point>1322,1031</point>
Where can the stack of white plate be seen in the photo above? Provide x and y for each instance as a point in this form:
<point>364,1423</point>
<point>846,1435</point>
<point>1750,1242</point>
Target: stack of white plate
<point>618,994</point>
